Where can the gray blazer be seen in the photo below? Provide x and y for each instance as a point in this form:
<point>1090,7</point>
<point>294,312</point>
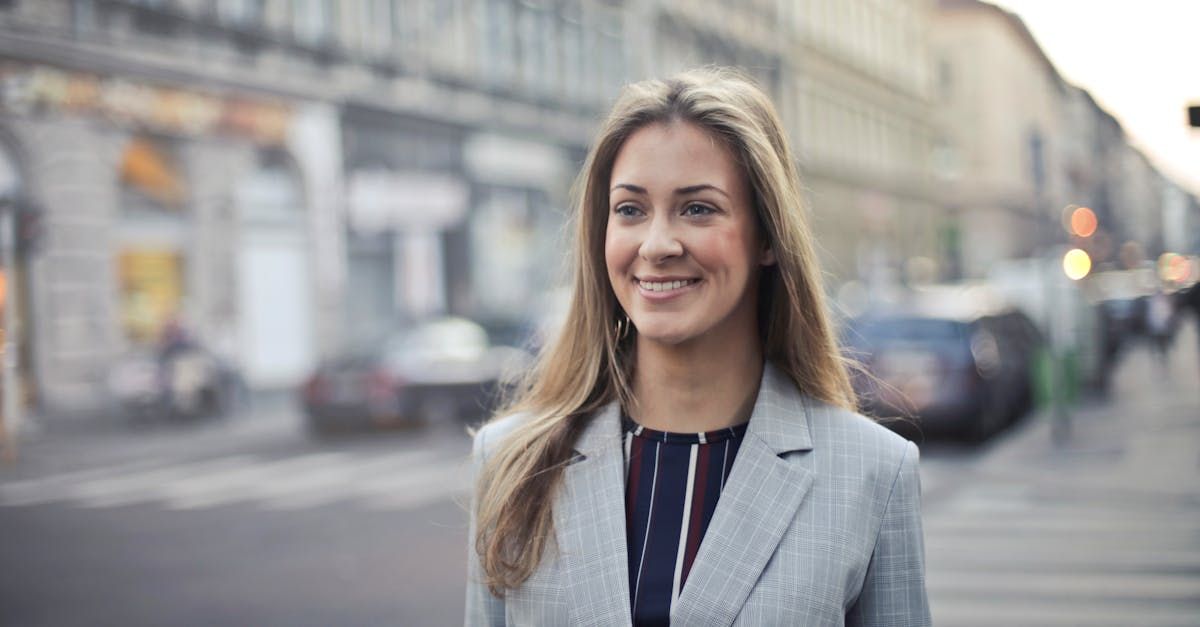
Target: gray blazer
<point>818,524</point>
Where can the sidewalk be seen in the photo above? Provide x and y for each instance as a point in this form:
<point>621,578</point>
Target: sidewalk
<point>1145,438</point>
<point>1101,529</point>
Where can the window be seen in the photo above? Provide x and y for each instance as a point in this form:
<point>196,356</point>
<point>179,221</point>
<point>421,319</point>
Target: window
<point>499,61</point>
<point>610,53</point>
<point>240,12</point>
<point>312,21</point>
<point>571,41</point>
<point>377,22</point>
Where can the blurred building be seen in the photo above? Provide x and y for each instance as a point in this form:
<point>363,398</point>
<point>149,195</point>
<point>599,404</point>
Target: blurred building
<point>858,101</point>
<point>287,177</point>
<point>1020,146</point>
<point>1003,146</point>
<point>296,178</point>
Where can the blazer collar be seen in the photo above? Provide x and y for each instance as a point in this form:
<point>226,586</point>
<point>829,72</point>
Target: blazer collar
<point>756,507</point>
<point>776,419</point>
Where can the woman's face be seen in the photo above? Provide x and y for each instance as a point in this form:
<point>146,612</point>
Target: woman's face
<point>682,246</point>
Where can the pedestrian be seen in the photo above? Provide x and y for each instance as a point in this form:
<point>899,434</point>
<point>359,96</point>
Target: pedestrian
<point>1158,324</point>
<point>1190,301</point>
<point>686,451</point>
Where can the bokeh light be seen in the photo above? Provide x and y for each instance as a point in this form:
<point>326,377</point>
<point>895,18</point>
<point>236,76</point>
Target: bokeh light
<point>1076,264</point>
<point>1083,222</point>
<point>1174,268</point>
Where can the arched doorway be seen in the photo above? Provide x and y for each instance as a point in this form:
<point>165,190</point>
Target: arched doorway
<point>275,295</point>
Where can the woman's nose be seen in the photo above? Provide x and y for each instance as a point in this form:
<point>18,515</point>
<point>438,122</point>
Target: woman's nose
<point>661,242</point>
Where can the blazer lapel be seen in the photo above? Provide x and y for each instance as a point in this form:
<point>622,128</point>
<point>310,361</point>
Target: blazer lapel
<point>589,525</point>
<point>756,507</point>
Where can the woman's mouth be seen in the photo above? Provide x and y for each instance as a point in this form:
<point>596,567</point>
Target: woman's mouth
<point>665,288</point>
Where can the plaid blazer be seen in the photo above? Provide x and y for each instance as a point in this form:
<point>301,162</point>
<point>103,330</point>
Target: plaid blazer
<point>818,524</point>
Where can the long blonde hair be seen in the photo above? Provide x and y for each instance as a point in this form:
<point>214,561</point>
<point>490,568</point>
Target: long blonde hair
<point>588,365</point>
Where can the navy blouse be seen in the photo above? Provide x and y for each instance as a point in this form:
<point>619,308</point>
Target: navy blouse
<point>672,483</point>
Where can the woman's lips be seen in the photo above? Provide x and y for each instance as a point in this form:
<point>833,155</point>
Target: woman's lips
<point>665,289</point>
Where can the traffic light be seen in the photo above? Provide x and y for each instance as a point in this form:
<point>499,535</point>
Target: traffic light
<point>1194,115</point>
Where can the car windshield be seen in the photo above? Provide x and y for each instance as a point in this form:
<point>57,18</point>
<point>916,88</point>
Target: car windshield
<point>874,336</point>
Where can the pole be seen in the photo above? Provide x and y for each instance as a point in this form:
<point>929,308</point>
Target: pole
<point>1060,426</point>
<point>9,381</point>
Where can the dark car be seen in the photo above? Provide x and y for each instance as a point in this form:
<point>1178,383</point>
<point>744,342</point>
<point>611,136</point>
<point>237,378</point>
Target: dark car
<point>958,376</point>
<point>443,369</point>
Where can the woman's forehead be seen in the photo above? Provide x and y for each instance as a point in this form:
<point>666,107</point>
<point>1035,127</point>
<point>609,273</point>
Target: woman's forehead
<point>675,155</point>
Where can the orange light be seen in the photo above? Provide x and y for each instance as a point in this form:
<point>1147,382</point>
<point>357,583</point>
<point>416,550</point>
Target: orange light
<point>1083,222</point>
<point>1174,268</point>
<point>1076,264</point>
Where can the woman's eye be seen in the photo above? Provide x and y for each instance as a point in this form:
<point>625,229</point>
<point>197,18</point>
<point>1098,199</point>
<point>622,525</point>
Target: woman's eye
<point>697,209</point>
<point>626,210</point>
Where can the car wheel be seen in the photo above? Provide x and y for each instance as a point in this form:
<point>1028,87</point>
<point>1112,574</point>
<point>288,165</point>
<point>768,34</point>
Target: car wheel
<point>988,421</point>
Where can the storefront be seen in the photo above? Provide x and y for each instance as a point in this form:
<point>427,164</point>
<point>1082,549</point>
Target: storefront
<point>163,206</point>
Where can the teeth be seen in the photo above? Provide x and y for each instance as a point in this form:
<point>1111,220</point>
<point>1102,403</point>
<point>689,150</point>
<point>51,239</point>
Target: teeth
<point>665,285</point>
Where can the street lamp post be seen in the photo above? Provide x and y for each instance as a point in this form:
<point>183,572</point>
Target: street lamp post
<point>1081,224</point>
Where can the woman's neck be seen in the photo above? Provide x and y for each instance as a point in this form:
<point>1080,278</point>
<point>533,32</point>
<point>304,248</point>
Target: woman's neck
<point>699,386</point>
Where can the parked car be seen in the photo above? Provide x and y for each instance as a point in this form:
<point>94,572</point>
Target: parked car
<point>966,376</point>
<point>442,369</point>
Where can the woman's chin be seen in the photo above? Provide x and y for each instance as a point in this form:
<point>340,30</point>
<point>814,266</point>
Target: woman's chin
<point>664,337</point>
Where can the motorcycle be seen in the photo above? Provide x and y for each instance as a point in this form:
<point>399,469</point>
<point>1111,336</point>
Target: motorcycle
<point>185,384</point>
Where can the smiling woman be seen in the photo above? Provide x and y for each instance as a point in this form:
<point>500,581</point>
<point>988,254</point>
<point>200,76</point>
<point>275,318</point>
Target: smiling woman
<point>687,450</point>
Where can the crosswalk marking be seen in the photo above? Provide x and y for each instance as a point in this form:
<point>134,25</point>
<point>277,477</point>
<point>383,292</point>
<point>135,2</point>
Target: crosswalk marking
<point>983,612</point>
<point>1003,554</point>
<point>1063,585</point>
<point>378,481</point>
<point>242,483</point>
<point>33,491</point>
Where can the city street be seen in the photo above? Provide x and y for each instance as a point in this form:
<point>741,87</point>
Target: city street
<point>1103,530</point>
<point>249,521</point>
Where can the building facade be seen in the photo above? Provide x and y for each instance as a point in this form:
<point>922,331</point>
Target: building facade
<point>859,105</point>
<point>291,179</point>
<point>1021,147</point>
<point>286,178</point>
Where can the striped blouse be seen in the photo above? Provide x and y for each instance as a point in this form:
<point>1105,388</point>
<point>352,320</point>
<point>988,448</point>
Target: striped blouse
<point>672,483</point>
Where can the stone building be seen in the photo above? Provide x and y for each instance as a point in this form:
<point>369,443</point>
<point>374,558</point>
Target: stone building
<point>286,177</point>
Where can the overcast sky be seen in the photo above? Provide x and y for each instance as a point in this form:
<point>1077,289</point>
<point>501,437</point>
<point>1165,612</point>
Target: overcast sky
<point>1140,59</point>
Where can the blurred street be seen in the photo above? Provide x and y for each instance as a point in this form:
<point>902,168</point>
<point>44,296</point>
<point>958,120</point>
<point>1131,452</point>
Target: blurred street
<point>249,521</point>
<point>1104,530</point>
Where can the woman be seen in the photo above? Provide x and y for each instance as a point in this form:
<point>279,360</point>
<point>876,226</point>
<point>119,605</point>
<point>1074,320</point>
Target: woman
<point>686,451</point>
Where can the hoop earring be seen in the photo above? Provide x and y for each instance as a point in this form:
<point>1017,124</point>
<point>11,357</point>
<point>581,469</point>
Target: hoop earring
<point>622,327</point>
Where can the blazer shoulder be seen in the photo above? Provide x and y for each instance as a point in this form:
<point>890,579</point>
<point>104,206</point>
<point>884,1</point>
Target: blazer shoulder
<point>851,435</point>
<point>489,436</point>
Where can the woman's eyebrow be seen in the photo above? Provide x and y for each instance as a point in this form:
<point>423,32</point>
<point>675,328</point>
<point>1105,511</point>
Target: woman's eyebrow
<point>692,189</point>
<point>681,191</point>
<point>633,188</point>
